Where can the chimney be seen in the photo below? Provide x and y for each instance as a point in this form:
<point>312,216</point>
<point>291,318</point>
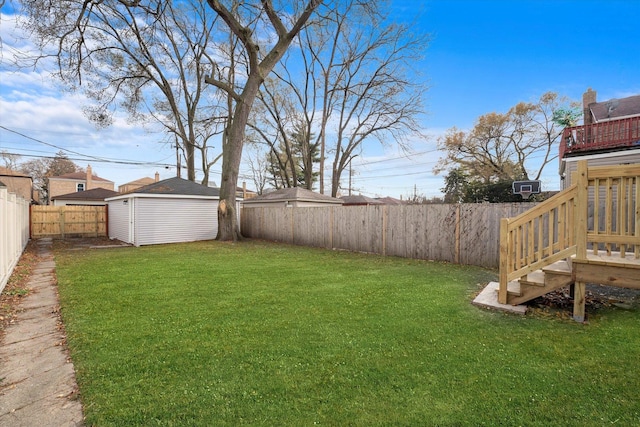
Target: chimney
<point>157,177</point>
<point>588,98</point>
<point>89,176</point>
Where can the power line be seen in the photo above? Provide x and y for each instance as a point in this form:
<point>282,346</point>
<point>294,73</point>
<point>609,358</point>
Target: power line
<point>98,160</point>
<point>84,156</point>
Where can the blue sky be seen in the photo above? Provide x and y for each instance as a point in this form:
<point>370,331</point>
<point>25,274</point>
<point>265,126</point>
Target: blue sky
<point>485,56</point>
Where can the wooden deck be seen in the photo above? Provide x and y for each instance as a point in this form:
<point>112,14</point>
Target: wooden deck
<point>611,270</point>
<point>589,233</point>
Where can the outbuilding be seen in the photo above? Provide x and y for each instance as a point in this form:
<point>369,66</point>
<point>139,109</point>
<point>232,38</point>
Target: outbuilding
<point>93,197</point>
<point>291,197</point>
<point>169,211</point>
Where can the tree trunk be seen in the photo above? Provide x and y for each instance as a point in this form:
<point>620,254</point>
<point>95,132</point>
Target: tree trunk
<point>228,229</point>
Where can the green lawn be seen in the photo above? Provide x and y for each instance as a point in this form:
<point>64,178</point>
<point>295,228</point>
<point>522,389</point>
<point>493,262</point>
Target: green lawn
<point>256,333</point>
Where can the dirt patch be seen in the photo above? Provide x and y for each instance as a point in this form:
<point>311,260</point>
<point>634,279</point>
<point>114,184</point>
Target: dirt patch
<point>597,297</point>
<point>81,243</point>
<point>16,288</point>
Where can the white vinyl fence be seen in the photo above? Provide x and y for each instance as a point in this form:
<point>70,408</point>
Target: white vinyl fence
<point>14,232</point>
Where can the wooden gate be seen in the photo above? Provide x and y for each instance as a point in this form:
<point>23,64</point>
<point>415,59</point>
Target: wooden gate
<point>68,221</point>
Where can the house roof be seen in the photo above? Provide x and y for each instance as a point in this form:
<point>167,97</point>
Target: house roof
<point>177,186</point>
<point>93,194</point>
<point>616,108</point>
<point>390,201</point>
<point>293,194</point>
<point>8,172</point>
<point>82,176</point>
<point>360,200</point>
<point>142,181</point>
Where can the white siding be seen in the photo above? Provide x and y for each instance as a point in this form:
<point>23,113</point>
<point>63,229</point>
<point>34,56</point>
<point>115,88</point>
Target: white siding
<point>166,220</point>
<point>119,220</point>
<point>617,158</point>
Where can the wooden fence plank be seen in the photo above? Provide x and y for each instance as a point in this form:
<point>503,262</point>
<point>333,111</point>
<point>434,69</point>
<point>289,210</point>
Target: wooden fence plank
<point>68,221</point>
<point>467,233</point>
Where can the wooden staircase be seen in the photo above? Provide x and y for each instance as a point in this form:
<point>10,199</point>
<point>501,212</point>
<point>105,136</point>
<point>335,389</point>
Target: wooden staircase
<point>539,282</point>
<point>589,232</point>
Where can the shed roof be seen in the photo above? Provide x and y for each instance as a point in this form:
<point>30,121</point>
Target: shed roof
<point>176,186</point>
<point>390,201</point>
<point>360,200</point>
<point>93,194</point>
<point>291,195</point>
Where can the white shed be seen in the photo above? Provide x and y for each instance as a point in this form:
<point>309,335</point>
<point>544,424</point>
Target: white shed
<point>169,211</point>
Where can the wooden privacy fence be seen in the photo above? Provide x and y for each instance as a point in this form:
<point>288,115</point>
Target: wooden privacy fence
<point>458,233</point>
<point>68,221</point>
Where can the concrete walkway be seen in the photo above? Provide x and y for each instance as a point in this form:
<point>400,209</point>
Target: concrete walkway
<point>37,380</point>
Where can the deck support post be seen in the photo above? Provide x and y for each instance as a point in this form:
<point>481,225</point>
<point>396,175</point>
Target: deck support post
<point>579,293</point>
<point>504,261</point>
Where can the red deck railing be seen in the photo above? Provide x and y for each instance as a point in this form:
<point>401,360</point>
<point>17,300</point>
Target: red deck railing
<point>601,136</point>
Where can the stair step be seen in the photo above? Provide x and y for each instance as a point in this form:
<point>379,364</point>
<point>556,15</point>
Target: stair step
<point>559,267</point>
<point>535,278</point>
<point>513,288</point>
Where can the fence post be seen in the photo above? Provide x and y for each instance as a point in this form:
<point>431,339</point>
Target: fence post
<point>384,230</point>
<point>457,233</point>
<point>331,213</point>
<point>106,220</point>
<point>62,226</point>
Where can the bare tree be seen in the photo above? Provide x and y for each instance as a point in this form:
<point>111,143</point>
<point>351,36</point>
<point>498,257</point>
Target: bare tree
<point>258,167</point>
<point>270,124</point>
<point>364,81</point>
<point>248,21</point>
<point>40,169</point>
<point>279,125</point>
<point>506,146</point>
<point>10,160</point>
<point>124,47</point>
<point>146,57</point>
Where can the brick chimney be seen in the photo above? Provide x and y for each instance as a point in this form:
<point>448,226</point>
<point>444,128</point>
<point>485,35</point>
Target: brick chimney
<point>89,176</point>
<point>157,177</point>
<point>588,98</point>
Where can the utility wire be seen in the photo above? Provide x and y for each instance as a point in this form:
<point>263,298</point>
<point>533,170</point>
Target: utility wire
<point>85,156</point>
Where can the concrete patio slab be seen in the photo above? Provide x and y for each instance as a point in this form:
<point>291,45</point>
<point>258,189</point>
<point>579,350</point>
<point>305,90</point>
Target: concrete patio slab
<point>488,298</point>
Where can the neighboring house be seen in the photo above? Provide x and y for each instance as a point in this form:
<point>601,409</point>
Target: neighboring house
<point>134,185</point>
<point>244,193</point>
<point>291,197</point>
<point>390,201</point>
<point>359,201</point>
<point>76,181</point>
<point>610,135</point>
<point>168,211</point>
<point>94,197</point>
<point>18,183</point>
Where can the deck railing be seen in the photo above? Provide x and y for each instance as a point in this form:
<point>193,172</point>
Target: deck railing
<point>601,136</point>
<point>600,212</point>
